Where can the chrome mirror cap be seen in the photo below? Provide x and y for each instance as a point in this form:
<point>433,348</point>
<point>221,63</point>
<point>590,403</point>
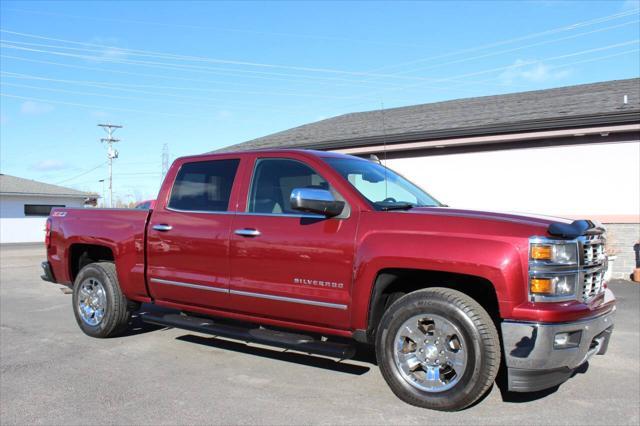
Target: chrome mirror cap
<point>315,200</point>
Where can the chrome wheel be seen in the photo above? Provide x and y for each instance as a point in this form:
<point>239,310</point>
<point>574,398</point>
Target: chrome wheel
<point>430,353</point>
<point>92,301</point>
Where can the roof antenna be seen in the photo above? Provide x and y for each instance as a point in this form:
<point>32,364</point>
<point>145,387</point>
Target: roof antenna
<point>384,144</point>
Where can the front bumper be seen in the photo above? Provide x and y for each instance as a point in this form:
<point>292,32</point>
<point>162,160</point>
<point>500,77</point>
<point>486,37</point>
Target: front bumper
<point>531,359</point>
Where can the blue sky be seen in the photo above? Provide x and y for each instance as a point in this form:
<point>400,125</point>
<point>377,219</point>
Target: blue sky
<point>201,75</point>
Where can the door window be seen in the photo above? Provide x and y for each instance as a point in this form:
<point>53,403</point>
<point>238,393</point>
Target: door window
<point>273,181</point>
<point>204,186</point>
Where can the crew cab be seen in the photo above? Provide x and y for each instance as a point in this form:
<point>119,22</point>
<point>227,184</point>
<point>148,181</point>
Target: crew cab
<point>315,251</point>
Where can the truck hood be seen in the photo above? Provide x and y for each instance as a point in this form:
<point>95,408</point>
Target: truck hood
<point>524,219</point>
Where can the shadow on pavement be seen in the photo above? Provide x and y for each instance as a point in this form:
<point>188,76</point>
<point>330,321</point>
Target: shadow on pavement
<point>137,326</point>
<point>280,355</point>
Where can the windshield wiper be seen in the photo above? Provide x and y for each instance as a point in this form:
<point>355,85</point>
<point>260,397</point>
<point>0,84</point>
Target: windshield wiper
<point>396,206</point>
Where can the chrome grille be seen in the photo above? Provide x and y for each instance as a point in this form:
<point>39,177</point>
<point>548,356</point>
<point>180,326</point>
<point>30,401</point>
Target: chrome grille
<point>594,262</point>
<point>593,252</point>
<point>593,284</point>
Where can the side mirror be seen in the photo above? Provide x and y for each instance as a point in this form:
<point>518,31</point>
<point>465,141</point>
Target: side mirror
<point>319,201</point>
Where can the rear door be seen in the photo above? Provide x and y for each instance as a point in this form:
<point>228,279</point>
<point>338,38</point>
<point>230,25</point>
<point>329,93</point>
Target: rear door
<point>188,235</point>
<point>286,264</point>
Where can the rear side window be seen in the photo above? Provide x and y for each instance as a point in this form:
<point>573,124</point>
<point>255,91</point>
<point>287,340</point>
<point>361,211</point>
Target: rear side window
<point>39,209</point>
<point>204,186</point>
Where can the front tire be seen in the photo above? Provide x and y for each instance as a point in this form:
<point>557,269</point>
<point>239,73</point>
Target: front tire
<point>438,348</point>
<point>100,308</point>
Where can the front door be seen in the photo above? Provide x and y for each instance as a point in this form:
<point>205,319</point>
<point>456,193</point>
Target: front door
<point>188,239</point>
<point>286,264</point>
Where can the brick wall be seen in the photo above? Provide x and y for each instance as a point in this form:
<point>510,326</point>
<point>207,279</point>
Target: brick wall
<point>622,237</point>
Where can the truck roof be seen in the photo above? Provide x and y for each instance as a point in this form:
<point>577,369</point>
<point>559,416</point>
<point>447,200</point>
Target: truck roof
<point>309,152</point>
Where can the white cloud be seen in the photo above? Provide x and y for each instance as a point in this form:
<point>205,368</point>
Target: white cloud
<point>223,114</point>
<point>49,165</point>
<point>108,53</point>
<point>532,72</point>
<point>99,114</point>
<point>35,108</point>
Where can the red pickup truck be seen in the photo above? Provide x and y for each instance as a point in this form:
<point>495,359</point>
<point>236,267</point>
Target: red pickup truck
<point>315,251</point>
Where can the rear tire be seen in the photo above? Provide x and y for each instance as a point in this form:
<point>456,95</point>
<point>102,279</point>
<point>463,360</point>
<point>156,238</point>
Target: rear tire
<point>100,308</point>
<point>438,348</point>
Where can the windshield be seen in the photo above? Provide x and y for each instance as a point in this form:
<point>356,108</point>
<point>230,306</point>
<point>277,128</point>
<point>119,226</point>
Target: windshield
<point>383,187</point>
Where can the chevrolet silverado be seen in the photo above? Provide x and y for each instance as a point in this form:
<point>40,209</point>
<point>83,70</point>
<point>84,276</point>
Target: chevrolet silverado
<point>315,251</point>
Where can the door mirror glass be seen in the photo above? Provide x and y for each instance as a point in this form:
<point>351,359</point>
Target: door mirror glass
<point>319,201</point>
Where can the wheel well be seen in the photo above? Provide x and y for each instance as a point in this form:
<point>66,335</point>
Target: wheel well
<point>83,254</point>
<point>391,284</point>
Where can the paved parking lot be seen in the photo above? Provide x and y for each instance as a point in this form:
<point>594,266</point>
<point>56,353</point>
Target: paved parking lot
<point>51,373</point>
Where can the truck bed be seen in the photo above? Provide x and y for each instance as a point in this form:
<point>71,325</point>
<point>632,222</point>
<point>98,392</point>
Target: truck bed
<point>122,231</point>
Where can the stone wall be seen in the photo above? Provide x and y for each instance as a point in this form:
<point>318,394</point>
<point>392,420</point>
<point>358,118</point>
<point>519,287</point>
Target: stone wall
<point>621,237</point>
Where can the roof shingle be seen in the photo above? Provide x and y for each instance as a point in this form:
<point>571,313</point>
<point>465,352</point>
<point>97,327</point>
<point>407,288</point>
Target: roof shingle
<point>13,185</point>
<point>563,107</point>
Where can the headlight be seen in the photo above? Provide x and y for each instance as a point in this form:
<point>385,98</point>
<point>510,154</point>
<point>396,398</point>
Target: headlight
<point>560,253</point>
<point>554,272</point>
<point>554,287</point>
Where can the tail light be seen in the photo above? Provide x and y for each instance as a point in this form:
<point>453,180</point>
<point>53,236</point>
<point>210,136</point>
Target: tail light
<point>47,235</point>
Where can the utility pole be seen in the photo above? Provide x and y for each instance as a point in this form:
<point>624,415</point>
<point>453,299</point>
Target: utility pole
<point>103,200</point>
<point>165,159</point>
<point>111,153</point>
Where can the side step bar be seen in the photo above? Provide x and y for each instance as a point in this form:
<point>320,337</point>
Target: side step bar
<point>282,339</point>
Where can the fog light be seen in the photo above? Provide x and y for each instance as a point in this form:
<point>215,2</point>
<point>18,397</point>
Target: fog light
<point>561,339</point>
<point>567,340</point>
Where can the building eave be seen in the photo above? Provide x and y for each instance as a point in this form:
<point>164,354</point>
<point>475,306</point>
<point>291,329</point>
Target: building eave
<point>566,136</point>
<point>31,194</point>
<point>626,117</point>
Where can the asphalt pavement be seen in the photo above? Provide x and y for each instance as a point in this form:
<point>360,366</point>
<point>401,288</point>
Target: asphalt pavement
<point>51,373</point>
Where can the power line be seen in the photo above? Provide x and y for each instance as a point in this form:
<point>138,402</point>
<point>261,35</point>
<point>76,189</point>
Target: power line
<point>170,56</point>
<point>141,52</point>
<point>10,44</point>
<point>201,59</point>
<point>196,68</point>
<point>226,106</point>
<point>29,98</point>
<point>570,27</point>
<point>192,80</point>
<point>599,58</point>
<point>197,89</point>
<point>193,68</point>
<point>512,66</point>
<point>82,174</point>
<point>216,28</point>
<point>403,88</point>
<point>500,52</point>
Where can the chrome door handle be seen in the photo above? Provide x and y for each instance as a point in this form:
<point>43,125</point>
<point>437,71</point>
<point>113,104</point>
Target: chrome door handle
<point>247,232</point>
<point>162,227</point>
